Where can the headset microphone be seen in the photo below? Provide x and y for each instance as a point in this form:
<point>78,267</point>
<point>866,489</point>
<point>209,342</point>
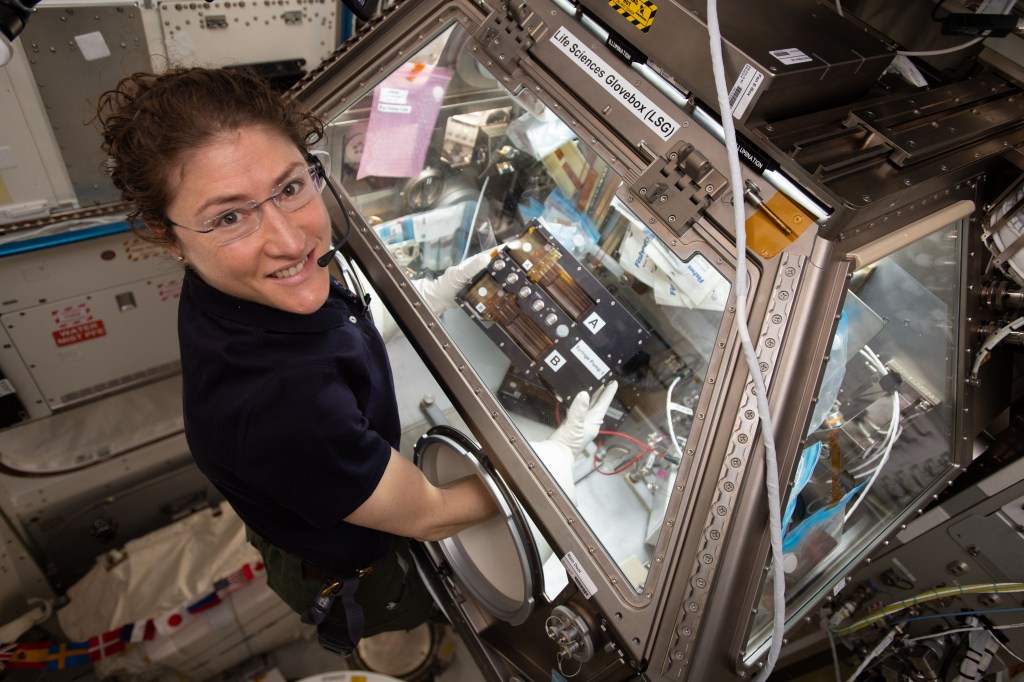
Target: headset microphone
<point>363,9</point>
<point>325,260</point>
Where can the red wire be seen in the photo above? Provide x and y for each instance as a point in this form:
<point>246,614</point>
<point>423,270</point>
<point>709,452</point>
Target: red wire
<point>627,465</point>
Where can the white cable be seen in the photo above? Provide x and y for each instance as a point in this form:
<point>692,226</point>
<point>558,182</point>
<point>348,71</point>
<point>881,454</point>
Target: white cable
<point>882,645</point>
<point>871,455</point>
<point>891,436</point>
<point>874,476</point>
<point>835,656</point>
<point>991,342</point>
<point>760,391</point>
<point>933,53</point>
<point>944,633</point>
<point>873,358</point>
<point>839,7</point>
<point>935,635</point>
<point>472,221</point>
<point>1006,648</point>
<point>883,450</point>
<point>956,48</point>
<point>971,629</point>
<point>876,452</point>
<point>669,405</point>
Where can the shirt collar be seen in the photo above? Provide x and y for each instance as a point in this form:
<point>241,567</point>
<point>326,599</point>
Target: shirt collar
<point>332,314</point>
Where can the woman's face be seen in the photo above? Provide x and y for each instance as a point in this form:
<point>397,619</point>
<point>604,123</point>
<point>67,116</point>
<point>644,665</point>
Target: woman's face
<point>276,264</point>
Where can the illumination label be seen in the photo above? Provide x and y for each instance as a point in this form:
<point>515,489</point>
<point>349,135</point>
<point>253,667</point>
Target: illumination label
<point>744,89</point>
<point>615,84</point>
<point>590,360</point>
<point>579,576</point>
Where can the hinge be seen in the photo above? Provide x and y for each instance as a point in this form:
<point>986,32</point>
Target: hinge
<point>680,186</point>
<point>505,38</point>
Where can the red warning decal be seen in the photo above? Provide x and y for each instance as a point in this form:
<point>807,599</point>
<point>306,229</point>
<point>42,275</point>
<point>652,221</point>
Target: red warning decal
<point>75,324</point>
<point>71,315</point>
<point>169,290</point>
<point>79,333</point>
<point>138,250</point>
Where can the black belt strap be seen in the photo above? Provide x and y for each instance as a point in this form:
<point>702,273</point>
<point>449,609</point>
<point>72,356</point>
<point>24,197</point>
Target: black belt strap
<point>331,637</point>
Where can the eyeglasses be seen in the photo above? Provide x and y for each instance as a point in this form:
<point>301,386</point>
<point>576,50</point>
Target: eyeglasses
<point>234,224</point>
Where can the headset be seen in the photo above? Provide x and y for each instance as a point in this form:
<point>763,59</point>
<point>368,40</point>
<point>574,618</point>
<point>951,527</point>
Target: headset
<point>363,9</point>
<point>13,15</point>
<point>315,163</point>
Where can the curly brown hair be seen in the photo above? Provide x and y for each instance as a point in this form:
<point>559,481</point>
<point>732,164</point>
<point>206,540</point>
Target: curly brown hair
<point>152,121</point>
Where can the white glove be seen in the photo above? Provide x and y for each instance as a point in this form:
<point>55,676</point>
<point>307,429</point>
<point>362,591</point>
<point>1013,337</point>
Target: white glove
<point>439,293</point>
<point>581,426</point>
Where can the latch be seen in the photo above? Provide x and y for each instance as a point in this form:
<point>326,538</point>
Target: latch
<point>214,21</point>
<point>506,37</point>
<point>680,186</point>
<point>774,224</point>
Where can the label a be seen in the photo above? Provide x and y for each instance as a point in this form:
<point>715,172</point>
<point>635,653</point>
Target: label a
<point>594,323</point>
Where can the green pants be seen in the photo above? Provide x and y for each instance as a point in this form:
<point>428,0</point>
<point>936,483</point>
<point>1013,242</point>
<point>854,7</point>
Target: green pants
<point>393,596</point>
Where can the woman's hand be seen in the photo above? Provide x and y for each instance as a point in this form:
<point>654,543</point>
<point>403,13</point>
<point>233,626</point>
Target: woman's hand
<point>439,294</point>
<point>405,503</point>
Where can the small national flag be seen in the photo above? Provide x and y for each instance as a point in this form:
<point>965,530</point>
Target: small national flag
<point>209,601</point>
<point>238,579</point>
<point>30,656</point>
<point>54,656</point>
<point>6,651</point>
<point>169,622</point>
<point>136,631</point>
<point>71,654</point>
<point>107,644</point>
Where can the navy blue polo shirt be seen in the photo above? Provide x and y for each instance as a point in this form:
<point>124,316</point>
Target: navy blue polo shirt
<point>292,417</point>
